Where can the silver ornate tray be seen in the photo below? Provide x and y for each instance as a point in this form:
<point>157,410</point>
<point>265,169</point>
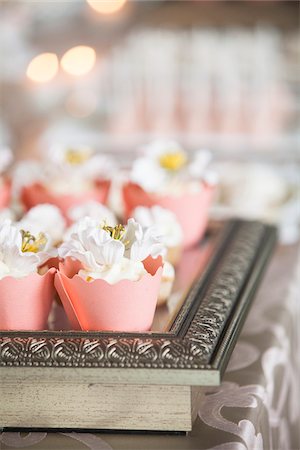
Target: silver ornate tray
<point>190,344</point>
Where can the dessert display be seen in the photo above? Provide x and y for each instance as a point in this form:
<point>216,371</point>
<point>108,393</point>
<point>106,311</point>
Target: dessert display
<point>110,277</point>
<point>26,282</point>
<point>6,158</point>
<point>66,178</point>
<point>167,177</point>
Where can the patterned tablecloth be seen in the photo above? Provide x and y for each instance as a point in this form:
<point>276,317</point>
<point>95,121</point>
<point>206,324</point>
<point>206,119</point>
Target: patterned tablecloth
<point>258,404</point>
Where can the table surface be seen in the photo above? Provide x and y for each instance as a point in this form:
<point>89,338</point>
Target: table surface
<point>257,405</point>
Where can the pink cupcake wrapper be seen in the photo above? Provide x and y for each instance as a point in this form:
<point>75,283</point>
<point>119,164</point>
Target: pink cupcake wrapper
<point>5,194</point>
<point>127,306</point>
<point>25,303</point>
<point>191,209</point>
<point>36,194</point>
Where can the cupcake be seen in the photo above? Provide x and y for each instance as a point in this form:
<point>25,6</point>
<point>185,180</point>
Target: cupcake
<point>167,227</point>
<point>26,283</point>
<point>67,177</point>
<point>6,158</point>
<point>110,277</point>
<point>166,177</point>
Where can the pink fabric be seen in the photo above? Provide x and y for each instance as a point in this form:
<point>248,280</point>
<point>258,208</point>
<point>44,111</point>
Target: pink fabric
<point>256,407</point>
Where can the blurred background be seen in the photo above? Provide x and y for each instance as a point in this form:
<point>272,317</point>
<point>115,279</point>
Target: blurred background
<point>114,74</point>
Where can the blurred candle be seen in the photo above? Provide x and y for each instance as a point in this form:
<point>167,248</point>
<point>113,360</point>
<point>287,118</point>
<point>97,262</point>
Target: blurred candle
<point>106,6</point>
<point>78,60</point>
<point>43,68</point>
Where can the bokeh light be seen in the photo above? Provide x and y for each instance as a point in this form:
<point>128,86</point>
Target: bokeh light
<point>78,60</point>
<point>106,6</point>
<point>43,68</point>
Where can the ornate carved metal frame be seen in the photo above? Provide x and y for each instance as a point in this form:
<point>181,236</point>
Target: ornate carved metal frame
<point>200,339</point>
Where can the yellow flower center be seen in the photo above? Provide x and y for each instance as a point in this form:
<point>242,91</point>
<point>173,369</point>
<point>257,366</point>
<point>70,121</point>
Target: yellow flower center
<point>173,160</point>
<point>77,157</point>
<point>31,243</point>
<point>116,232</point>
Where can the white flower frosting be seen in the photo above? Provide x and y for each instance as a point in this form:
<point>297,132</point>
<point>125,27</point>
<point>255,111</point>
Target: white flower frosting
<point>92,209</point>
<point>27,173</point>
<point>46,218</point>
<point>82,162</point>
<point>164,221</point>
<point>76,169</point>
<point>64,171</point>
<point>124,269</point>
<point>6,157</point>
<point>166,168</point>
<point>111,253</point>
<point>20,252</point>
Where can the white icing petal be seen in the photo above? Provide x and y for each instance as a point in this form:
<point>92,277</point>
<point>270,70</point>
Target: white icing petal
<point>211,177</point>
<point>144,215</point>
<point>73,231</point>
<point>148,244</point>
<point>27,173</point>
<point>92,245</point>
<point>4,270</point>
<point>112,252</point>
<point>92,209</point>
<point>58,153</point>
<point>6,214</point>
<point>19,264</point>
<point>9,235</point>
<point>46,218</point>
<point>164,221</point>
<point>133,231</point>
<point>70,232</point>
<point>158,148</point>
<point>98,166</point>
<point>148,174</point>
<point>199,164</point>
<point>89,165</point>
<point>13,260</point>
<point>83,225</point>
<point>86,258</point>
